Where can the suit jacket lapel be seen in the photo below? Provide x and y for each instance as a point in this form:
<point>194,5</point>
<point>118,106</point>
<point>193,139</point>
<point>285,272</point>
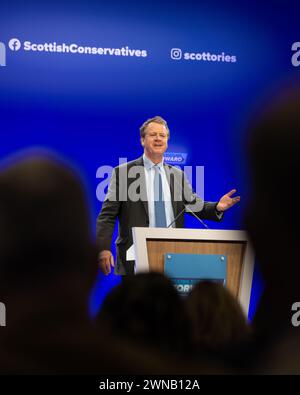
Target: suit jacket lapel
<point>170,178</point>
<point>140,162</point>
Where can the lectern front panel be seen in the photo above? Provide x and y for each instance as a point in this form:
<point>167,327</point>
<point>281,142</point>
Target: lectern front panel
<point>234,252</point>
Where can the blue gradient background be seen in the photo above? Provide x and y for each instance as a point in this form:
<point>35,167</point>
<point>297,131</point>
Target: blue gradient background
<point>89,108</point>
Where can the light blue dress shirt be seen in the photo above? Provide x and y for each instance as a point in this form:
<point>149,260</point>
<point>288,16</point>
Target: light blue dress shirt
<point>149,176</point>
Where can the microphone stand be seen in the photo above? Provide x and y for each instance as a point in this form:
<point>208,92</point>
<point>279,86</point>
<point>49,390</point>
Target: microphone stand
<point>186,208</point>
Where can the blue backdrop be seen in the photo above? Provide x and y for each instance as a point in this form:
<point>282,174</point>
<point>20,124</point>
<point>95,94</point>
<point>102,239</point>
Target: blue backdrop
<point>88,103</point>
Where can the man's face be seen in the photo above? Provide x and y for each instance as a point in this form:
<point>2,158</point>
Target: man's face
<point>155,141</point>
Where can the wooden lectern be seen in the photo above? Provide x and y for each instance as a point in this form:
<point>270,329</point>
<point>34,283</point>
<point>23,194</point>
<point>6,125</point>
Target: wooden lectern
<point>150,245</point>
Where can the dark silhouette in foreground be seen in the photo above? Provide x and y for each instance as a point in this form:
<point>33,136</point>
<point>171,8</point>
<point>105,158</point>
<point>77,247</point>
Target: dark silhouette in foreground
<point>147,309</point>
<point>272,220</point>
<point>219,326</point>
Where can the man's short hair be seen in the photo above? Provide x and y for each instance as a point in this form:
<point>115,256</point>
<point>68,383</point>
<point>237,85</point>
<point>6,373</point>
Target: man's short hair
<point>156,119</point>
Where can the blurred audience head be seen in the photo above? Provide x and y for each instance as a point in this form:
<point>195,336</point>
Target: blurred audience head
<point>44,224</point>
<point>219,326</point>
<point>44,230</point>
<point>47,267</point>
<point>273,152</point>
<point>272,219</point>
<point>147,309</point>
<point>273,215</point>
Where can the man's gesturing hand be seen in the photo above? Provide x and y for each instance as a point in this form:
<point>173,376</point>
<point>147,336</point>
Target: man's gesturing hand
<point>106,260</point>
<point>227,201</point>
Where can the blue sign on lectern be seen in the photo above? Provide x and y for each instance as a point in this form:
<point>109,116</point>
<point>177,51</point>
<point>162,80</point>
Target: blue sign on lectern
<point>185,270</point>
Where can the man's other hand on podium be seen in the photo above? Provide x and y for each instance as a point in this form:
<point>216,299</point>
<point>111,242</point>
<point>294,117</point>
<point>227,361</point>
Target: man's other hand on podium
<point>106,261</point>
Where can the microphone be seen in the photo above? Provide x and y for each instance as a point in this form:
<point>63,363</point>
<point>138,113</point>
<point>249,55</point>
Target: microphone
<point>186,207</point>
<point>199,219</point>
<point>177,216</point>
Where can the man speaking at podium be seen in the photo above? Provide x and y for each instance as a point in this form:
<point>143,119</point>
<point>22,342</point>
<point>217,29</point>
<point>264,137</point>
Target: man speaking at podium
<point>147,192</point>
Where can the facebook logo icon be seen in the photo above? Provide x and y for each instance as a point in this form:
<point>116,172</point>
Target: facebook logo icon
<point>14,44</point>
<point>2,54</point>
